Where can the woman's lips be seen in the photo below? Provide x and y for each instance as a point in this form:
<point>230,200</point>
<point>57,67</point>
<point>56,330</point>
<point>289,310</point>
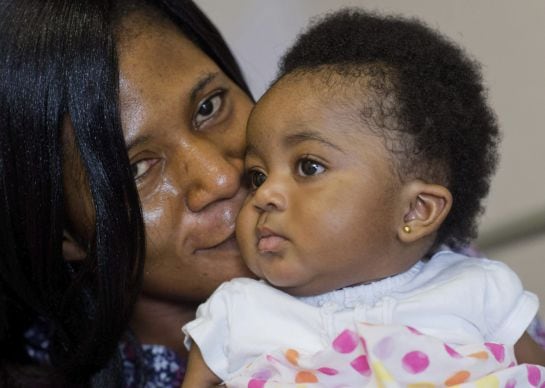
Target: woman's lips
<point>228,244</point>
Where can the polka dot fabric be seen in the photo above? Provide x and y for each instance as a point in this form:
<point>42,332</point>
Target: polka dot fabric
<point>391,356</point>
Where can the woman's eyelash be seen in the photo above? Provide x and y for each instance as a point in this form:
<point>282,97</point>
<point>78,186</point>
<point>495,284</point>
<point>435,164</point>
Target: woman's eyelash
<point>209,107</point>
<point>141,168</point>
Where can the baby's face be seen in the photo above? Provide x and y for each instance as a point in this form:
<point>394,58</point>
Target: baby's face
<point>323,211</point>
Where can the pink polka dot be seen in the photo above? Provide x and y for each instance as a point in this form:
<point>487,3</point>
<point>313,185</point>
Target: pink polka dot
<point>384,348</point>
<point>415,362</point>
<point>413,330</point>
<point>361,365</point>
<point>253,383</point>
<point>511,383</point>
<point>542,385</point>
<point>497,350</point>
<point>534,375</point>
<point>263,374</point>
<point>328,371</point>
<point>451,352</point>
<point>272,359</point>
<point>345,342</point>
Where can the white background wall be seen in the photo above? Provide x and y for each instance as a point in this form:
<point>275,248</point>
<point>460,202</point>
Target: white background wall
<point>507,37</point>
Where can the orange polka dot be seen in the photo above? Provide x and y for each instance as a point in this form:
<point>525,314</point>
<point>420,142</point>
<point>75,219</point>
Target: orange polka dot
<point>305,377</point>
<point>483,355</point>
<point>292,356</point>
<point>421,385</point>
<point>458,378</point>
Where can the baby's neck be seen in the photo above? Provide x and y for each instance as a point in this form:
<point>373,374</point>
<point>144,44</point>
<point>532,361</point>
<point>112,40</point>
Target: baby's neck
<point>366,293</point>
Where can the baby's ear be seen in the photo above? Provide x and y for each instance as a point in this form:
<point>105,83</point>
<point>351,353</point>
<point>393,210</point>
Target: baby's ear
<point>71,249</point>
<point>426,207</point>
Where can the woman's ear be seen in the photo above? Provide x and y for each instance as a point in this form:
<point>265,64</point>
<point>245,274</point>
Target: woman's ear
<point>71,249</point>
<point>427,206</point>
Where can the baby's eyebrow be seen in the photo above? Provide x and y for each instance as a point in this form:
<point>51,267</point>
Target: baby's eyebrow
<point>299,137</point>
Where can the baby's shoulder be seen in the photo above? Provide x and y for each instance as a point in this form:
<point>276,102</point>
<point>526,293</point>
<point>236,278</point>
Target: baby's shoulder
<point>477,271</point>
<point>247,288</point>
<point>239,285</point>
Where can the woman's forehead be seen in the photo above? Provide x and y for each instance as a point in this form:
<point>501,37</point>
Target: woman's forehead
<point>153,49</point>
<point>142,21</point>
<point>158,71</point>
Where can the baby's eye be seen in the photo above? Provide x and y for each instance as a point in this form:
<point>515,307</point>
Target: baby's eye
<point>207,108</point>
<point>256,179</point>
<point>309,167</point>
<point>140,168</point>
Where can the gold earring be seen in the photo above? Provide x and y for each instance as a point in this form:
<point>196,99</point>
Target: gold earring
<point>407,229</point>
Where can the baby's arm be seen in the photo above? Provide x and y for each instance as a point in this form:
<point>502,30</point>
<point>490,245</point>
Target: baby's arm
<point>198,374</point>
<point>527,351</point>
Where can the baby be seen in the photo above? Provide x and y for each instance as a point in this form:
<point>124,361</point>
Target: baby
<point>369,155</point>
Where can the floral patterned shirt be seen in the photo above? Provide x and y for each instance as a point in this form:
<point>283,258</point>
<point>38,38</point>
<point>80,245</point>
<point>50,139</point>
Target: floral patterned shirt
<point>160,367</point>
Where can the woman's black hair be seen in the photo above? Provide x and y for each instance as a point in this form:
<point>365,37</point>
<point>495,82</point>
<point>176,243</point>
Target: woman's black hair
<point>201,31</point>
<point>58,64</point>
<point>426,94</point>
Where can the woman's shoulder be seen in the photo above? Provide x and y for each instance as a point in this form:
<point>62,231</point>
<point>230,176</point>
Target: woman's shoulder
<point>142,364</point>
<point>150,365</point>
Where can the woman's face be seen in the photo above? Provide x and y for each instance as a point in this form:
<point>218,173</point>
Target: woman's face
<point>184,126</point>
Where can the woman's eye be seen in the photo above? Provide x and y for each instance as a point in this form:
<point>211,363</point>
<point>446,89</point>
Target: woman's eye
<point>309,167</point>
<point>256,179</point>
<point>208,108</point>
<point>139,169</point>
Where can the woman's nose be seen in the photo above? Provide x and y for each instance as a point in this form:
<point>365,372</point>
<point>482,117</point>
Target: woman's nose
<point>271,195</point>
<point>213,176</point>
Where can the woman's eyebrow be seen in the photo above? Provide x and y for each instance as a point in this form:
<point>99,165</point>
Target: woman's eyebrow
<point>136,141</point>
<point>201,84</point>
<point>203,81</point>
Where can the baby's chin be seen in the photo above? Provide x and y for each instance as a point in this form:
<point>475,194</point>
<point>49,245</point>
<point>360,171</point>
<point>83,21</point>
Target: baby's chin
<point>298,289</point>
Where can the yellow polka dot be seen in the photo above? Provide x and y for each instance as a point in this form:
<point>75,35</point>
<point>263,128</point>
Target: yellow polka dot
<point>489,381</point>
<point>381,372</point>
<point>421,385</point>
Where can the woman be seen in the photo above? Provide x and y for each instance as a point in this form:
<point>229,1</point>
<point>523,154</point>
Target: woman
<point>119,120</point>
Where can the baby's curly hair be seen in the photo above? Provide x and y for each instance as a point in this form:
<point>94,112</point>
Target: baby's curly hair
<point>446,132</point>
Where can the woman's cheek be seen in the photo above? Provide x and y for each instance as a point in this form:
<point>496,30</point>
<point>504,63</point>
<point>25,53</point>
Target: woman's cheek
<point>245,227</point>
<point>153,216</point>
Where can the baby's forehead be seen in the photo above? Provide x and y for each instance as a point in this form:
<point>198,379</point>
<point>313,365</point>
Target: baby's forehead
<point>344,77</point>
<point>299,108</point>
<point>322,81</point>
<point>327,94</point>
<point>352,90</point>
